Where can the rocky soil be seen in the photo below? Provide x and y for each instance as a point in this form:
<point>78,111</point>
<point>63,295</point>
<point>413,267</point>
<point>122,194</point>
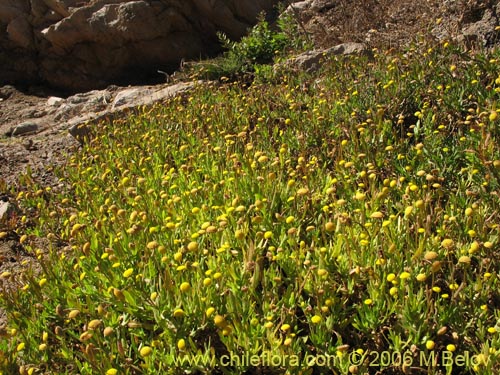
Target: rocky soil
<point>35,123</point>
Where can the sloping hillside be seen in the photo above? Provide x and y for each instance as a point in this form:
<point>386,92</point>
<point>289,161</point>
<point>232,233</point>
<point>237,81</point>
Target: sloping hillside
<point>340,220</point>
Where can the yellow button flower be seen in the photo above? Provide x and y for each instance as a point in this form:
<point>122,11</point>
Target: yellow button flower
<point>316,319</point>
<point>185,287</point>
<point>145,351</point>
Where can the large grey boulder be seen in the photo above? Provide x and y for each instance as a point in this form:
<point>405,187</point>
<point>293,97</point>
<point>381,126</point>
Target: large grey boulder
<point>81,45</point>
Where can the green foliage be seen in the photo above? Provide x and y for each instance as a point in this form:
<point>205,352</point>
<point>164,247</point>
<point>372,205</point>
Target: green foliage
<point>261,46</point>
<point>349,217</point>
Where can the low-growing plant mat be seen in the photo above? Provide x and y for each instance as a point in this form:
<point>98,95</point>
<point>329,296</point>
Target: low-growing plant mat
<point>332,222</point>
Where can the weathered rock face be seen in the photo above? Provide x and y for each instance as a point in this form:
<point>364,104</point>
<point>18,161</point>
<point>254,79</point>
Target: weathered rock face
<point>383,23</point>
<point>79,45</point>
<point>480,23</point>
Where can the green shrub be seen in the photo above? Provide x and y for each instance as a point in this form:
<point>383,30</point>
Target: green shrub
<point>261,46</point>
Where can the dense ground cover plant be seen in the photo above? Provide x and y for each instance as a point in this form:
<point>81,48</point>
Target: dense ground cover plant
<point>344,213</point>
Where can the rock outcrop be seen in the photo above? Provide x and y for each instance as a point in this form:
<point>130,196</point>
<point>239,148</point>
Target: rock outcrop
<point>480,25</point>
<point>75,112</point>
<point>80,45</point>
<point>311,61</point>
